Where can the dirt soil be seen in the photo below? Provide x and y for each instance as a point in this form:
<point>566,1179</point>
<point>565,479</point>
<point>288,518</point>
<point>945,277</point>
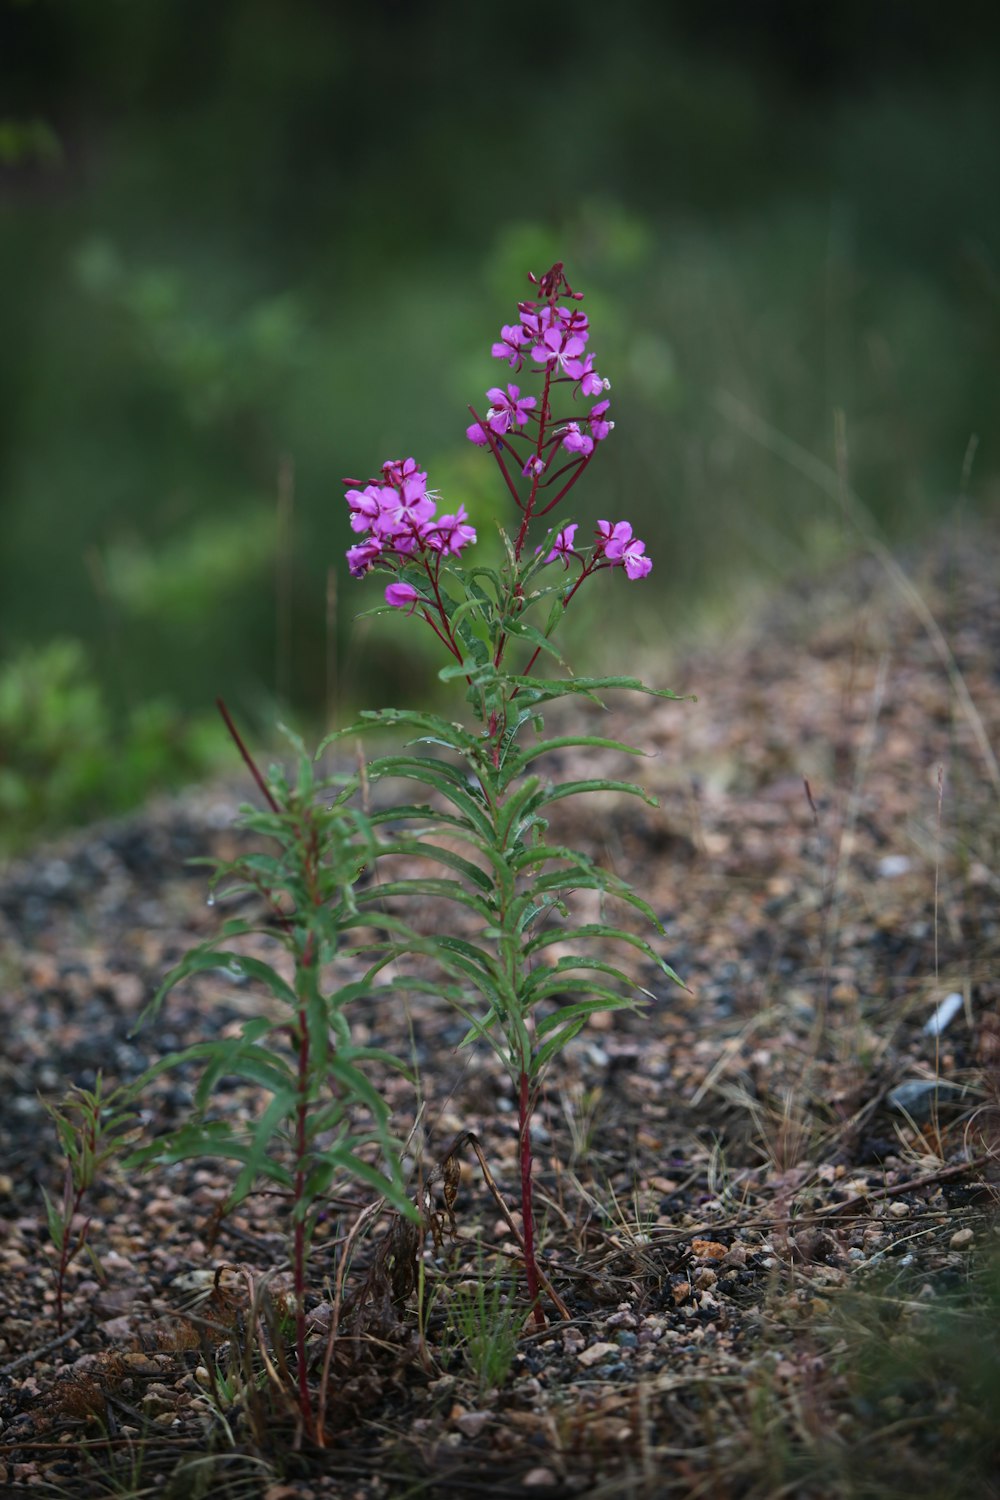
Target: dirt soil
<point>768,1202</point>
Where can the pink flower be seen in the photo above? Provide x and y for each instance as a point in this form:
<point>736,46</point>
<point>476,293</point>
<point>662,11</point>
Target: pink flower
<point>599,427</point>
<point>622,548</point>
<point>577,441</point>
<point>563,545</point>
<point>508,408</point>
<point>398,470</point>
<point>364,505</point>
<point>636,564</point>
<point>477,434</point>
<point>512,340</point>
<point>562,351</point>
<point>400,594</point>
<point>608,533</point>
<point>534,468</point>
<point>407,508</point>
<point>450,534</point>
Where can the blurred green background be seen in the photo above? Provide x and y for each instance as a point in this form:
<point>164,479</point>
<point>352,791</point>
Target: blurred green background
<point>252,246</point>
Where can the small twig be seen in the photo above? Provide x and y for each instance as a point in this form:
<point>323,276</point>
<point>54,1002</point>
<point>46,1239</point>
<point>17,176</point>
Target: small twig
<point>467,1138</point>
<point>33,1354</point>
<point>265,790</point>
<point>910,1186</point>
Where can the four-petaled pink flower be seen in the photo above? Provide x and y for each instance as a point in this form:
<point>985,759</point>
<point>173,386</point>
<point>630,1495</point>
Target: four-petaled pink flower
<point>510,346</point>
<point>508,408</point>
<point>563,544</point>
<point>561,351</point>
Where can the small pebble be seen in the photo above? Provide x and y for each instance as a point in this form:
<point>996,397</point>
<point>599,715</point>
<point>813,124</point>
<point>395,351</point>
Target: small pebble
<point>471,1423</point>
<point>595,1353</point>
<point>961,1239</point>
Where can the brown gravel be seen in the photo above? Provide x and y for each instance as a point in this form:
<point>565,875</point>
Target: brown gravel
<point>719,1180</point>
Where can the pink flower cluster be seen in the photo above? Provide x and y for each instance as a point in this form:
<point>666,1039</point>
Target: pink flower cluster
<point>555,338</point>
<point>614,546</point>
<point>397,515</point>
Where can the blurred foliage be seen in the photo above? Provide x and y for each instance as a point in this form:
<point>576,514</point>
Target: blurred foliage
<point>901,1394</point>
<point>273,232</point>
<point>64,758</point>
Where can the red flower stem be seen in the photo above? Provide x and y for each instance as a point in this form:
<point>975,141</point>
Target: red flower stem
<point>299,1252</point>
<point>495,450</point>
<point>538,650</point>
<point>441,635</point>
<point>568,485</point>
<point>526,513</point>
<point>543,421</point>
<point>299,1249</point>
<point>524,1104</point>
<point>66,1254</point>
<point>248,758</point>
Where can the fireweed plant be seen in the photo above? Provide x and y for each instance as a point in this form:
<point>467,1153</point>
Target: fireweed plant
<point>496,624</point>
<point>91,1127</point>
<point>325,1119</point>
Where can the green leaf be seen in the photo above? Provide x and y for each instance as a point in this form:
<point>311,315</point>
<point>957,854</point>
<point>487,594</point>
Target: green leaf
<point>450,783</point>
<point>545,1054</point>
<point>204,958</point>
<point>381,1055</point>
<point>519,627</point>
<point>598,930</point>
<point>281,1108</point>
<point>450,890</point>
<point>517,807</point>
<point>394,718</point>
<point>416,849</point>
<point>393,1192</point>
<point>357,1085</point>
<point>598,784</point>
<point>602,999</point>
<point>54,1219</point>
<point>517,762</point>
<point>547,980</point>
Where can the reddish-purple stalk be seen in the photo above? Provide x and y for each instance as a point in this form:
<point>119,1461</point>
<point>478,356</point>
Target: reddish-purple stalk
<point>301,1107</point>
<point>68,1252</point>
<point>525,1109</point>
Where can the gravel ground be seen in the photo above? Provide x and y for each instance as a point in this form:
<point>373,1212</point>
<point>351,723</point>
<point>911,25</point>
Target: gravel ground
<point>732,1186</point>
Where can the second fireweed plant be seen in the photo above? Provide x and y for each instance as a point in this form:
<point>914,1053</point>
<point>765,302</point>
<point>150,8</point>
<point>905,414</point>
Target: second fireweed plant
<point>324,1118</point>
<point>497,625</point>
